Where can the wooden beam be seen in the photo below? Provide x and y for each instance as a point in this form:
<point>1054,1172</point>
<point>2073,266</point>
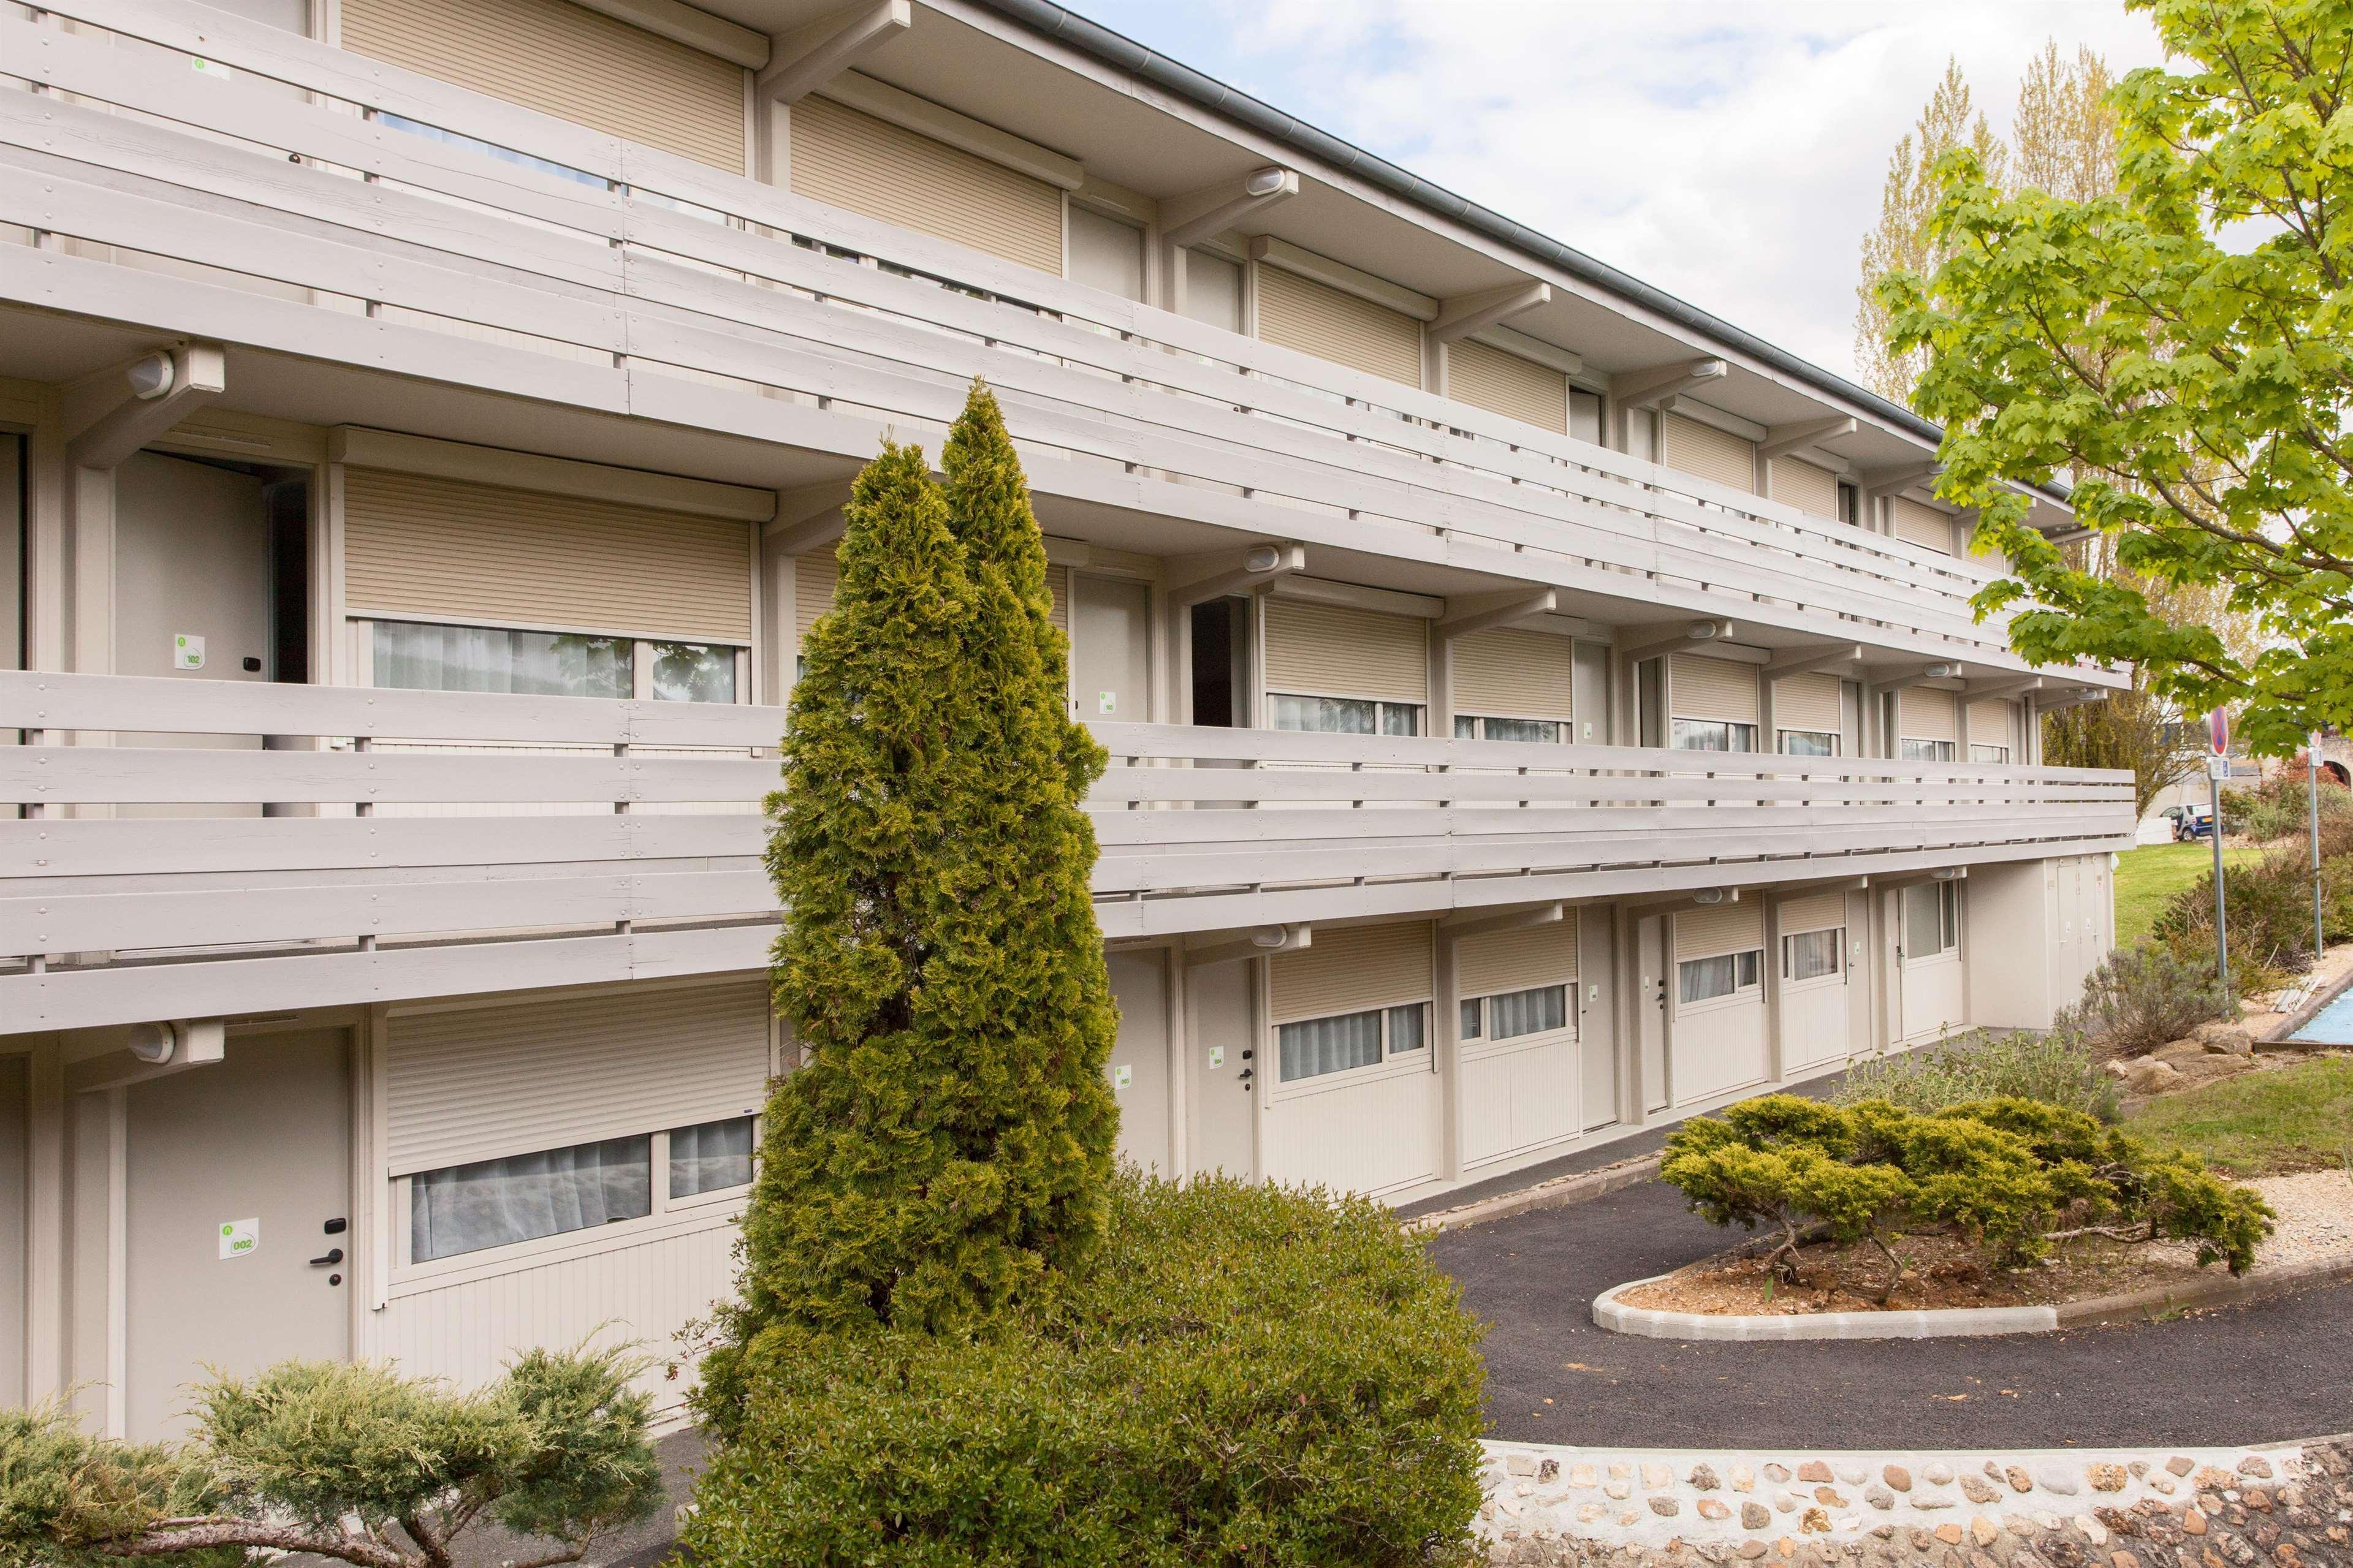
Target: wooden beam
<point>2005,686</point>
<point>1195,215</point>
<point>1470,923</point>
<point>1467,313</point>
<point>1640,388</point>
<point>1468,613</point>
<point>1806,661</point>
<point>801,61</point>
<point>1888,481</point>
<point>1781,440</point>
<point>1264,943</point>
<point>1196,579</point>
<point>109,416</point>
<point>1921,677</point>
<point>1645,643</point>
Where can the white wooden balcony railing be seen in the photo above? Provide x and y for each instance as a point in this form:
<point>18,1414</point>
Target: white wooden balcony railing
<point>359,213</point>
<point>201,848</point>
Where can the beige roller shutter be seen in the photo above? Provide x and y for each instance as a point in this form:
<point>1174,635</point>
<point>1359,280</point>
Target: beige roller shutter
<point>1806,486</point>
<point>1813,911</point>
<point>851,160</point>
<point>420,548</point>
<point>1922,714</point>
<point>482,1083</point>
<point>1923,525</point>
<point>1714,689</point>
<point>1317,319</point>
<point>1333,650</point>
<point>1517,960</point>
<point>1503,383</point>
<point>816,578</point>
<point>1513,675</point>
<point>1807,702</point>
<point>1719,928</point>
<point>1989,723</point>
<point>1352,970</point>
<point>568,61</point>
<point>1709,453</point>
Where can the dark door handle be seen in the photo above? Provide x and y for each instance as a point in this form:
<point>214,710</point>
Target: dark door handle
<point>334,1255</point>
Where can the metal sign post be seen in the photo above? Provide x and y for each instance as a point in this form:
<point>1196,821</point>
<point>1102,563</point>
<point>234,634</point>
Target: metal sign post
<point>2312,788</point>
<point>2218,767</point>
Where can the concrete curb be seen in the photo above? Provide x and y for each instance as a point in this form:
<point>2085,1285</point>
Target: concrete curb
<point>2222,1290</point>
<point>1941,1323</point>
<point>1561,1192</point>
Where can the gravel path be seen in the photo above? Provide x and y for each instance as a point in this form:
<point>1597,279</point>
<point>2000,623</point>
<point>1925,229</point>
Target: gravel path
<point>2270,1370</point>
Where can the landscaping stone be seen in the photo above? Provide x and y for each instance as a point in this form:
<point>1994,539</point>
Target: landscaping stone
<point>2147,1076</point>
<point>2225,1037</point>
<point>1897,1477</point>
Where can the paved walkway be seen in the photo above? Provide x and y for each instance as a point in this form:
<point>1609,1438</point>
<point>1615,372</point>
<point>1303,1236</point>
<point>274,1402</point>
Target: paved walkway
<point>2272,1370</point>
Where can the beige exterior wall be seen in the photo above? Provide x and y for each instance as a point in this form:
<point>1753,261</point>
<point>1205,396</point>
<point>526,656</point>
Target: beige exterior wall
<point>568,61</point>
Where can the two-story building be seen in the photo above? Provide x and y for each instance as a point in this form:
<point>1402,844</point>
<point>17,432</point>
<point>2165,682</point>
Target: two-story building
<point>1538,708</point>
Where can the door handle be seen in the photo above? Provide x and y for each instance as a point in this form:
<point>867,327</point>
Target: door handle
<point>334,1255</point>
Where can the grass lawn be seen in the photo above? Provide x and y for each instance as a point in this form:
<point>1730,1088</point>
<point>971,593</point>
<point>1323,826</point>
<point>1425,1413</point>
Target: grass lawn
<point>2148,877</point>
<point>2296,1118</point>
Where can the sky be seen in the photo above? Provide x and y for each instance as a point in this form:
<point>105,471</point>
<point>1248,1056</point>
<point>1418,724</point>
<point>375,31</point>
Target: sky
<point>1729,153</point>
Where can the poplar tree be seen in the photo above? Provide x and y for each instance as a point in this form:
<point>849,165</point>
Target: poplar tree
<point>944,1147</point>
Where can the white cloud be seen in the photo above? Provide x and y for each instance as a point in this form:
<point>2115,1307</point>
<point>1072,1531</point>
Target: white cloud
<point>1729,153</point>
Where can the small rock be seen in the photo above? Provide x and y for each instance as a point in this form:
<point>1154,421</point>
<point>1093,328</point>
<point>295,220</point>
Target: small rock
<point>1897,1477</point>
<point>1657,1476</point>
<point>1984,1531</point>
<point>2194,1520</point>
<point>1785,1503</point>
<point>1828,1498</point>
<point>2094,1531</point>
<point>1939,1474</point>
<point>1851,1473</point>
<point>2224,1036</point>
<point>1520,1464</point>
<point>1629,1517</point>
<point>1620,1490</point>
<point>2020,1481</point>
<point>2258,1468</point>
<point>1975,1488</point>
<point>2146,1076</point>
<point>2055,1478</point>
<point>2161,1485</point>
<point>2259,1499</point>
<point>2106,1478</point>
<point>1933,1500</point>
<point>1950,1534</point>
<point>1777,1472</point>
<point>1755,1516</point>
<point>1813,1471</point>
<point>1587,1512</point>
<point>1703,1479</point>
<point>1744,1480</point>
<point>1619,1470</point>
<point>2124,1560</point>
<point>1523,1489</point>
<point>1548,1470</point>
<point>1752,1550</point>
<point>1710,1508</point>
<point>1583,1475</point>
<point>2181,1464</point>
<point>1665,1507</point>
<point>1879,1497</point>
<point>1814,1522</point>
<point>2210,1479</point>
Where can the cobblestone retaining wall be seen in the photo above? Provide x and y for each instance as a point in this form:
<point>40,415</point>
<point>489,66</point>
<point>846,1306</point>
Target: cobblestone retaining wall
<point>2196,1507</point>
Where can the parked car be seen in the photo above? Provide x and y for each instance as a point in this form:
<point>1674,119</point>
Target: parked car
<point>2192,823</point>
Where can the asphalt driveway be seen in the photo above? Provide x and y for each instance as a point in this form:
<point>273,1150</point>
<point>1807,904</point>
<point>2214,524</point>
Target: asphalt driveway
<point>2275,1369</point>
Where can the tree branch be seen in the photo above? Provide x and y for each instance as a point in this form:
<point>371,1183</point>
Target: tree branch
<point>168,1537</point>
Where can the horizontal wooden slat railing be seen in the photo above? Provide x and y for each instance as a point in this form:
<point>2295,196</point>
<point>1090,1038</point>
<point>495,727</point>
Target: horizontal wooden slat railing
<point>286,862</point>
<point>396,196</point>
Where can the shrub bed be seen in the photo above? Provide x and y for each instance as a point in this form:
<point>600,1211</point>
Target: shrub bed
<point>2056,1068</point>
<point>1244,1374</point>
<point>2011,1176</point>
<point>2143,998</point>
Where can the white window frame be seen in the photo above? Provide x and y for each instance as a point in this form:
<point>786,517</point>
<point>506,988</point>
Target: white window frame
<point>2000,753</point>
<point>1381,708</point>
<point>1740,996</point>
<point>1781,740</point>
<point>1949,917</point>
<point>1486,1037</point>
<point>1734,729</point>
<point>1562,728</point>
<point>667,1212</point>
<point>1938,750</point>
<point>641,653</point>
<point>1837,976</point>
<point>1422,1059</point>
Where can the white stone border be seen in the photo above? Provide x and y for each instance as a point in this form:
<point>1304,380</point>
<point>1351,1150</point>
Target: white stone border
<point>1941,1323</point>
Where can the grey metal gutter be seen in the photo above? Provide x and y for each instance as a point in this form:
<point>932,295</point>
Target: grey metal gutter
<point>1126,54</point>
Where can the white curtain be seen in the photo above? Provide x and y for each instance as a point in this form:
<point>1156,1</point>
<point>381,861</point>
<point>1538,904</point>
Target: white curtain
<point>709,1157</point>
<point>1329,1045</point>
<point>1529,1012</point>
<point>493,1203</point>
<point>422,658</point>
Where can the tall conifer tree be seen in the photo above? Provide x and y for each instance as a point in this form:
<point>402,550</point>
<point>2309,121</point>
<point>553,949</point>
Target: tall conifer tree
<point>947,1142</point>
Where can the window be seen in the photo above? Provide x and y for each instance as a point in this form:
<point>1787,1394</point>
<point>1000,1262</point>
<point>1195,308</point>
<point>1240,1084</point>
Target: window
<point>1343,715</point>
<point>1469,727</point>
<point>1584,415</point>
<point>1539,1011</point>
<point>1849,503</point>
<point>417,656</point>
<point>1980,753</point>
<point>1471,1014</point>
<point>1808,744</point>
<point>1320,1045</point>
<point>1918,751</point>
<point>1711,735</point>
<point>1727,974</point>
<point>523,1197</point>
<point>1812,954</point>
<point>1932,919</point>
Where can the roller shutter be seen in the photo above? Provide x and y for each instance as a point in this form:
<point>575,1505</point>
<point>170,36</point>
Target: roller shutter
<point>1809,487</point>
<point>1923,525</point>
<point>421,548</point>
<point>1989,723</point>
<point>1503,383</point>
<point>568,61</point>
<point>854,161</point>
<point>1517,960</point>
<point>1925,715</point>
<point>1317,319</point>
<point>1333,650</point>
<point>1719,928</point>
<point>1710,453</point>
<point>1513,675</point>
<point>1352,970</point>
<point>1807,702</point>
<point>1714,689</point>
<point>1813,911</point>
<point>482,1083</point>
<point>817,577</point>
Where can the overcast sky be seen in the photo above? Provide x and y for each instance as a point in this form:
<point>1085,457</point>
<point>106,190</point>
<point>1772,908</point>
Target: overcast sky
<point>1728,150</point>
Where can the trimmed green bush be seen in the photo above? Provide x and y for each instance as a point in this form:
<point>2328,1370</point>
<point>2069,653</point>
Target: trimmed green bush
<point>1244,1374</point>
<point>2055,1069</point>
<point>2141,998</point>
<point>557,1450</point>
<point>2011,1177</point>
